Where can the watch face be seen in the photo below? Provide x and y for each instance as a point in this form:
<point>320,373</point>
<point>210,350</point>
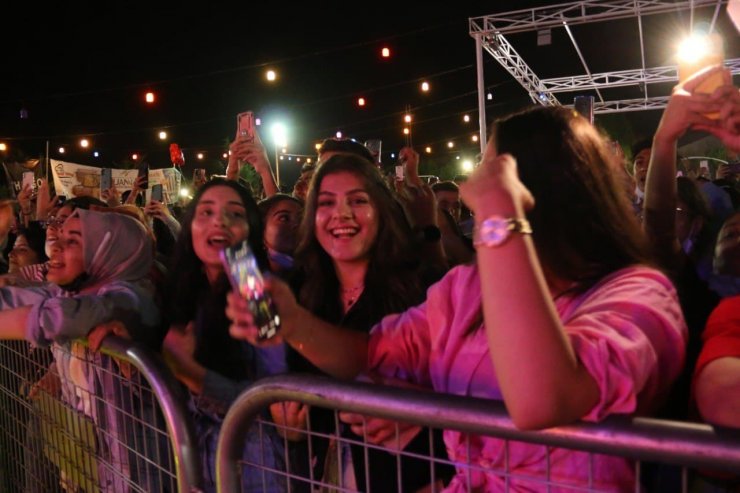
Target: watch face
<point>494,231</point>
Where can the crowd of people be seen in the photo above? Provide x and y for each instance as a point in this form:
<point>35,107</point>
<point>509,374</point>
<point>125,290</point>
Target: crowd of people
<point>541,280</point>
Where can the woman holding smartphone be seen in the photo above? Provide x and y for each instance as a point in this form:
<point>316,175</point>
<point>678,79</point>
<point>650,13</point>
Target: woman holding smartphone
<point>356,262</point>
<point>561,317</point>
<point>198,347</point>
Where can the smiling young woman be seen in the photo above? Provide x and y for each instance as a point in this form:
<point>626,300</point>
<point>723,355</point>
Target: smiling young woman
<point>357,261</point>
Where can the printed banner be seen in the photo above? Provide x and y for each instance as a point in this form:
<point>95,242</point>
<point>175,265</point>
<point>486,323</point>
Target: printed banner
<point>75,180</point>
<point>14,173</point>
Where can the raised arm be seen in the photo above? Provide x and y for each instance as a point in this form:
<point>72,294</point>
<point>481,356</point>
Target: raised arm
<point>685,109</point>
<point>315,339</point>
<point>252,152</point>
<point>542,380</point>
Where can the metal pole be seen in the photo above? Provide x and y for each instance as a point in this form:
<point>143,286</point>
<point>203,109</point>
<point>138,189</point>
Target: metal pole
<point>481,93</point>
<point>168,392</point>
<point>277,168</point>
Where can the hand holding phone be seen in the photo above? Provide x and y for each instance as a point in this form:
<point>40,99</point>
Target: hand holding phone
<point>400,171</point>
<point>144,174</point>
<point>157,193</point>
<point>410,160</point>
<point>245,126</point>
<point>246,278</point>
<point>29,180</point>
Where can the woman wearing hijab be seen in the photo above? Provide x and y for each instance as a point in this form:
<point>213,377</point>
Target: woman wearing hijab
<point>98,267</point>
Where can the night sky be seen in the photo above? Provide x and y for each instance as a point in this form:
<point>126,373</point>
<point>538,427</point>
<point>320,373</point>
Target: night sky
<point>83,73</point>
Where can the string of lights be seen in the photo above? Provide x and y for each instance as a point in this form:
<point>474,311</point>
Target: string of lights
<point>237,69</point>
<point>168,131</point>
<point>323,131</point>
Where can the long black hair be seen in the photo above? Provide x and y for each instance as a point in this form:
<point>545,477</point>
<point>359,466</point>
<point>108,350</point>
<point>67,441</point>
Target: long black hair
<point>191,298</point>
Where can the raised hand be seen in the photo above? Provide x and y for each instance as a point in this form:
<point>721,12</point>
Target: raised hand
<point>494,187</point>
<point>290,414</point>
<point>242,320</point>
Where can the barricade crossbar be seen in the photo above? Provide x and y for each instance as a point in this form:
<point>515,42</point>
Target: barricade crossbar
<point>690,445</point>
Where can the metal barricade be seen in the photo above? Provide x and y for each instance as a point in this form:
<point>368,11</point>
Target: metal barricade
<point>76,420</point>
<point>666,453</point>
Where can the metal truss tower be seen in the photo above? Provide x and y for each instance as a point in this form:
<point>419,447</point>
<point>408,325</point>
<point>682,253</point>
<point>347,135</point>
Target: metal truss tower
<point>488,32</point>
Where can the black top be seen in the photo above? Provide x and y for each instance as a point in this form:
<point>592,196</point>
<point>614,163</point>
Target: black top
<point>362,316</point>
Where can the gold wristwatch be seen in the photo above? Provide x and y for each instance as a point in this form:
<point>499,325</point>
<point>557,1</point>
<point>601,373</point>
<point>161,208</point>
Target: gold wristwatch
<point>495,230</point>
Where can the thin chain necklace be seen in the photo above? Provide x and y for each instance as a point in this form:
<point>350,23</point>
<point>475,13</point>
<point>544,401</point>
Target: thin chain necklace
<point>350,295</point>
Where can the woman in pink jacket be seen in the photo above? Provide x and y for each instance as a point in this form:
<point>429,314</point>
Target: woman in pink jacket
<point>562,316</point>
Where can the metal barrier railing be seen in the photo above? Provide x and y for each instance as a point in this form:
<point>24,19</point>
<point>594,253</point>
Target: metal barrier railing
<point>688,445</point>
<point>114,420</point>
<point>172,403</point>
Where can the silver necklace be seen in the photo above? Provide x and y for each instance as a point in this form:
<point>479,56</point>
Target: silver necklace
<point>350,295</point>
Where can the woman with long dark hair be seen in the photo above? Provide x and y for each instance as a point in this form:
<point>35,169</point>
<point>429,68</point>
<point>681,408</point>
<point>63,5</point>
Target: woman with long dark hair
<point>198,347</point>
<point>562,317</point>
<point>357,262</point>
<point>374,258</point>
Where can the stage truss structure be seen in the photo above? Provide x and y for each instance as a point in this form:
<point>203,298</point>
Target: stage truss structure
<point>490,33</point>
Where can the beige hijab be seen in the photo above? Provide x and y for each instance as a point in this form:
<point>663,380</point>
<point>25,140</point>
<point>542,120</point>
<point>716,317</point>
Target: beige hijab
<point>115,247</point>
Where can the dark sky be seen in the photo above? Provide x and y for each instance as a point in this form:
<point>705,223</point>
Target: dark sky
<point>84,72</point>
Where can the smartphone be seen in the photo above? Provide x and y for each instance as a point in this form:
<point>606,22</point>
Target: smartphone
<point>245,125</point>
<point>199,174</point>
<point>246,279</point>
<point>400,170</point>
<point>106,179</point>
<point>157,193</point>
<point>144,171</point>
<point>28,179</point>
<point>374,146</point>
<point>584,105</point>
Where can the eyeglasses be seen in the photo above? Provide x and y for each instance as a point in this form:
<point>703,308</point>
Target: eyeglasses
<point>54,222</point>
